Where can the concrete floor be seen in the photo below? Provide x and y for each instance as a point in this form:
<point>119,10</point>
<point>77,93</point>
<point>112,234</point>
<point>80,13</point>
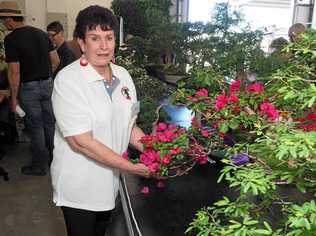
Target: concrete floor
<point>26,207</point>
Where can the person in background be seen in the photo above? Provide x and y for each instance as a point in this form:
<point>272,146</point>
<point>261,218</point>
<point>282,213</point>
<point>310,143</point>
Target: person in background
<point>31,59</point>
<point>95,106</point>
<point>277,45</point>
<point>294,32</point>
<point>2,98</point>
<point>74,46</point>
<point>55,32</point>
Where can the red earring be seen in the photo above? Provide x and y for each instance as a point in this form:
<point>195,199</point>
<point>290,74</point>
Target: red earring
<point>83,61</point>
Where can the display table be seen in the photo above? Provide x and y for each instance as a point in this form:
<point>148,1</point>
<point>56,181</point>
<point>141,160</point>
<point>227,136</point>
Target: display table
<point>168,211</point>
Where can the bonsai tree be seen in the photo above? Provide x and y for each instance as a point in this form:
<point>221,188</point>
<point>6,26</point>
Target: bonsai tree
<point>150,91</point>
<point>228,44</point>
<point>272,167</point>
<point>151,32</point>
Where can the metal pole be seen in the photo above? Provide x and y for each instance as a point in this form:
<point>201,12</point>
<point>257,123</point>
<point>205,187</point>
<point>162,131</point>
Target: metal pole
<point>121,32</point>
<point>314,16</point>
<point>125,209</point>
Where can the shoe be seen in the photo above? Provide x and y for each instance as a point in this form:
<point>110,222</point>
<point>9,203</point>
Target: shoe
<point>30,170</point>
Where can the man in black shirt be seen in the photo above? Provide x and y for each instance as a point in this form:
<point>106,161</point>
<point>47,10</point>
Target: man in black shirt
<point>31,59</point>
<point>55,32</point>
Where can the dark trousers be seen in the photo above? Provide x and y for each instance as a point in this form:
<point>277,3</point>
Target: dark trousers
<point>35,99</point>
<point>86,223</point>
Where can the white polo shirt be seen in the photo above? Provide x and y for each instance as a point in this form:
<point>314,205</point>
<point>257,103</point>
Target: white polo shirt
<point>81,103</point>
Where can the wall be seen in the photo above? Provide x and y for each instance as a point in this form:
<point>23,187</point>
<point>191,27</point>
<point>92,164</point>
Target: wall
<point>70,9</point>
<point>36,13</point>
<point>21,4</point>
<point>314,17</point>
<point>74,6</point>
<point>41,12</point>
<point>59,6</point>
<point>304,11</point>
<point>183,11</point>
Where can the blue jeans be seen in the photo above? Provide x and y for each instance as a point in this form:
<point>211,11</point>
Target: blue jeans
<point>35,100</point>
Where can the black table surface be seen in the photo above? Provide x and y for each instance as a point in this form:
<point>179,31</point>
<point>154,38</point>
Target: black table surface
<point>168,211</point>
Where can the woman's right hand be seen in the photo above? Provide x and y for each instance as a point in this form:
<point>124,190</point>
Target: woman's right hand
<point>142,170</point>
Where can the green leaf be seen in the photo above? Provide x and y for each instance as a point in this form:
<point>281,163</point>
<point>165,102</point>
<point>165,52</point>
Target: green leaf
<point>223,202</point>
<point>311,101</point>
<point>289,95</point>
<point>235,226</point>
<point>262,231</point>
<point>233,124</point>
<point>266,224</point>
<point>223,128</point>
<point>251,222</point>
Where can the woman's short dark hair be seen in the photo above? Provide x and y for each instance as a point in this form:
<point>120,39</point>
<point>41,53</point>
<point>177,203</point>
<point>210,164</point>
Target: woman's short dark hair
<point>93,16</point>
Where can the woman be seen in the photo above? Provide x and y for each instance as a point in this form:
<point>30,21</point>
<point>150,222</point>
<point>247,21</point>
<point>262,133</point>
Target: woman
<point>95,106</point>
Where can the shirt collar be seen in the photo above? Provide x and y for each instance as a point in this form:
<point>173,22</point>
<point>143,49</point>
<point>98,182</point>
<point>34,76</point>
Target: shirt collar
<point>92,75</point>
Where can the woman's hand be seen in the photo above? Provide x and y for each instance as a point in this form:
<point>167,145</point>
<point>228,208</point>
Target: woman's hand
<point>142,170</point>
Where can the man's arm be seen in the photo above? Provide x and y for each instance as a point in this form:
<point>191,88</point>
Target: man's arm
<point>54,59</point>
<point>14,81</point>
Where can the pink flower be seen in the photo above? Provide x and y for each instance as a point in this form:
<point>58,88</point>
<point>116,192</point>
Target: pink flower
<point>202,93</point>
<point>202,160</point>
<point>145,190</point>
<point>215,125</point>
<point>160,184</point>
<point>235,86</point>
<point>221,101</point>
<point>148,157</point>
<point>175,151</point>
<point>166,136</point>
<point>153,168</point>
<point>233,99</point>
<point>161,126</point>
<point>268,109</point>
<point>255,88</point>
<point>146,139</point>
<point>166,160</point>
<point>236,109</point>
<point>189,98</point>
<point>125,155</point>
<point>204,133</point>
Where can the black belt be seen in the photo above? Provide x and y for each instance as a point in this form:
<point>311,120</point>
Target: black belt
<point>37,80</point>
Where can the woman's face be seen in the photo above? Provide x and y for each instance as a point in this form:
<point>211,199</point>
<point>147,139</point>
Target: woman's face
<point>98,46</point>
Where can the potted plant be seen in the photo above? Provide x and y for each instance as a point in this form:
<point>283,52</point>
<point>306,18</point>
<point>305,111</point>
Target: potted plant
<point>280,156</point>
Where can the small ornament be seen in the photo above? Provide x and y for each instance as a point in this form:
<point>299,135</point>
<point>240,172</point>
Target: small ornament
<point>83,61</point>
<point>125,93</point>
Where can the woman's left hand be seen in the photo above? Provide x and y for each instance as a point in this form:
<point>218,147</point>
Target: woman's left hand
<point>142,170</point>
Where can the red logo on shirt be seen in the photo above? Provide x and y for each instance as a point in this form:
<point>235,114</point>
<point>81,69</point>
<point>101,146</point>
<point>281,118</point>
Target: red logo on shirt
<point>125,93</point>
